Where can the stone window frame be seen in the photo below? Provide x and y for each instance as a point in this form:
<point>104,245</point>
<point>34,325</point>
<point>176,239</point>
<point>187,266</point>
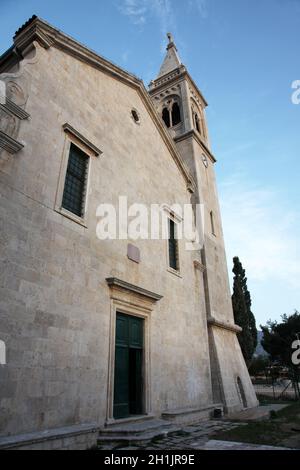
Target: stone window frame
<point>72,136</point>
<point>177,219</point>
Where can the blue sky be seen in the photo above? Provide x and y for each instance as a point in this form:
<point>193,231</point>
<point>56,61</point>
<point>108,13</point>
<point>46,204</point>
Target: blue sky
<point>244,56</point>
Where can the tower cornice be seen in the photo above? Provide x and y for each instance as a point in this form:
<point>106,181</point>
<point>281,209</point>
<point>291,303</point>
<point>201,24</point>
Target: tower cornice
<point>193,134</point>
<point>176,75</point>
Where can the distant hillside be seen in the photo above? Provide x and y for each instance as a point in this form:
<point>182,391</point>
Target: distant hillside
<point>259,351</point>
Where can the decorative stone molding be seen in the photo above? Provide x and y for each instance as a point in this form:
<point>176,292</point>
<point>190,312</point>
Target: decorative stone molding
<point>14,109</point>
<point>29,32</point>
<point>195,135</point>
<point>173,77</point>
<point>198,265</point>
<point>70,130</point>
<point>190,188</point>
<point>178,218</point>
<point>119,285</point>
<point>9,144</point>
<point>211,321</point>
<point>39,32</point>
<point>167,78</point>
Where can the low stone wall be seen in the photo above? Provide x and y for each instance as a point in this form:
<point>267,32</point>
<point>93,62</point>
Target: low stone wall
<point>79,437</point>
<point>187,417</point>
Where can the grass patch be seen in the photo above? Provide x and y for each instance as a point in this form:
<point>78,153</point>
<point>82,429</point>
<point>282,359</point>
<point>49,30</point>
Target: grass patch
<point>267,400</point>
<point>277,431</point>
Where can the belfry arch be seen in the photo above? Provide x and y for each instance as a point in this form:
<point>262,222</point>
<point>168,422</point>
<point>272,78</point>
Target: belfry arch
<point>171,111</point>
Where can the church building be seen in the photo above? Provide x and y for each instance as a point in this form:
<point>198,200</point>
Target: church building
<point>97,334</point>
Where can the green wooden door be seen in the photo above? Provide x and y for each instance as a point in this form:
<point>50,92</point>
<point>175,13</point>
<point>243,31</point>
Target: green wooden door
<point>128,390</point>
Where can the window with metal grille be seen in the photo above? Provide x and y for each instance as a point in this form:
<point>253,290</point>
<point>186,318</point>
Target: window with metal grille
<point>75,182</point>
<point>173,246</point>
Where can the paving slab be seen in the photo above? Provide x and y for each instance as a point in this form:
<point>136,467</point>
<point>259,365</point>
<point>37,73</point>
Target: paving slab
<point>228,445</point>
<point>256,414</point>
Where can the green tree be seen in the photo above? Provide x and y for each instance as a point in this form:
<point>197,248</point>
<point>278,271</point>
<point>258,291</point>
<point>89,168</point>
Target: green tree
<point>277,341</point>
<point>243,316</point>
<point>259,365</point>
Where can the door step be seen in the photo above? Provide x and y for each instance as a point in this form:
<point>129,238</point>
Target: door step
<point>130,420</point>
<point>136,432</point>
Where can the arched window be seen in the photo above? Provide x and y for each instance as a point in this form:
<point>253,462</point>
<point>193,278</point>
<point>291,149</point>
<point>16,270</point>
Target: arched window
<point>166,117</point>
<point>176,117</point>
<point>135,116</point>
<point>197,123</point>
<point>241,392</point>
<point>212,223</point>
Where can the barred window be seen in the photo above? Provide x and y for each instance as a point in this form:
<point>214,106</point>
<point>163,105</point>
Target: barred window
<point>75,182</point>
<point>173,246</point>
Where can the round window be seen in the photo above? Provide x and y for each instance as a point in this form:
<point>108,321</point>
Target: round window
<point>135,116</point>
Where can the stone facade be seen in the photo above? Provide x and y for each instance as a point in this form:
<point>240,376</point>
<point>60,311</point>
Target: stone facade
<point>57,310</point>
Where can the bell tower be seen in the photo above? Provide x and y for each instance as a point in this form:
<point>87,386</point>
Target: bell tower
<point>181,106</point>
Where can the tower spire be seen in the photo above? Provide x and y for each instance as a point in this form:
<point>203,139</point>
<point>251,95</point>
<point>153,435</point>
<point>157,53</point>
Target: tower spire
<point>172,60</point>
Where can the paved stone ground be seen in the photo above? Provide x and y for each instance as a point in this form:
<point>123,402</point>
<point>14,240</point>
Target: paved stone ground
<point>255,414</point>
<point>189,438</point>
<point>226,445</point>
<point>200,436</point>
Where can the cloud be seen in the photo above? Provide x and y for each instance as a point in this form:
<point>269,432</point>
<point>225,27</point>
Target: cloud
<point>139,12</point>
<point>262,230</point>
<point>125,56</point>
<point>136,10</point>
<point>201,6</point>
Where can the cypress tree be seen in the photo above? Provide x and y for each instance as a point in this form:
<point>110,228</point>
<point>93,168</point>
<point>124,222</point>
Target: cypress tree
<point>243,316</point>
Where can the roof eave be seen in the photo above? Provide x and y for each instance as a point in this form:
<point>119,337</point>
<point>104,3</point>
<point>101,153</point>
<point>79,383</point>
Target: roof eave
<point>47,36</point>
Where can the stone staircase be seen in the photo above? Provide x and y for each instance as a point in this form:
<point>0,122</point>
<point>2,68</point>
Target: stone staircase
<point>136,432</point>
<point>140,430</point>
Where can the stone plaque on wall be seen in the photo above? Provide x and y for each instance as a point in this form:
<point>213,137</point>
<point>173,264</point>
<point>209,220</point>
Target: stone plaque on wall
<point>133,253</point>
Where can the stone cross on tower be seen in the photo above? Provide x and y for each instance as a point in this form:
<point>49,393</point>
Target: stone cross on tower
<point>171,41</point>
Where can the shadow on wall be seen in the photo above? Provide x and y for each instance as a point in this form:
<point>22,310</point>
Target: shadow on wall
<point>2,353</point>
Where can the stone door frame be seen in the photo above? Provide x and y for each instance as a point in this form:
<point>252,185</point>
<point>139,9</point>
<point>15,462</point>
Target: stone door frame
<point>134,301</point>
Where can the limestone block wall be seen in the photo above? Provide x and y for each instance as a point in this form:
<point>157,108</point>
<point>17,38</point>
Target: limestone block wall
<point>229,368</point>
<point>215,256</point>
<point>55,302</point>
